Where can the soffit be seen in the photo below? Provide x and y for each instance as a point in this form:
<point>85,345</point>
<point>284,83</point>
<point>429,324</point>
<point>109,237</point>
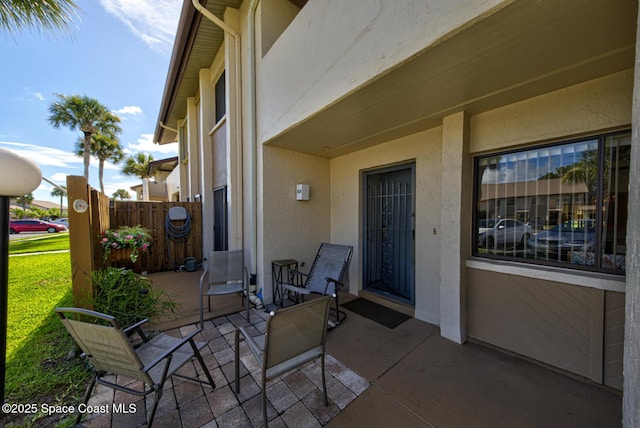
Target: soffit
<point>526,49</point>
<point>197,42</point>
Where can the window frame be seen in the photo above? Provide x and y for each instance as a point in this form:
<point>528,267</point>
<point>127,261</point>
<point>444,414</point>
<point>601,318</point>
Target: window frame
<point>598,267</point>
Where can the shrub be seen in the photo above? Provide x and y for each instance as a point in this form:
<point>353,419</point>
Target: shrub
<point>129,296</point>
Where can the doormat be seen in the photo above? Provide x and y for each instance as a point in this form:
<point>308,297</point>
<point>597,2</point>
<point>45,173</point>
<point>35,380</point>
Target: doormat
<point>375,312</point>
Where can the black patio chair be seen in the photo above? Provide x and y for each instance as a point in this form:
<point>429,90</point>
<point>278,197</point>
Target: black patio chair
<point>324,277</point>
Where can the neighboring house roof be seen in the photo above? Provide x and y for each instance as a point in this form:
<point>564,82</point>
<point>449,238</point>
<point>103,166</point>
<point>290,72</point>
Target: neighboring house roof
<point>197,42</point>
<point>166,165</point>
<point>45,205</point>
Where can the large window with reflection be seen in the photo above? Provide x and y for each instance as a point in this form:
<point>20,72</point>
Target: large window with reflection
<point>563,204</point>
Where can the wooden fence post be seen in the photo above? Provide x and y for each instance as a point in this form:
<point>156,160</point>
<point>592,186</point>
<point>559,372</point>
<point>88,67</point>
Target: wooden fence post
<point>80,239</point>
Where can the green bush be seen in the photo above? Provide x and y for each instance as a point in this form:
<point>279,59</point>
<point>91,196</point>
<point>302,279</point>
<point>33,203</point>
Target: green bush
<point>129,296</point>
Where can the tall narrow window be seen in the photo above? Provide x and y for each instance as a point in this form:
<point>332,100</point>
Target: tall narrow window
<point>221,99</point>
<point>563,204</point>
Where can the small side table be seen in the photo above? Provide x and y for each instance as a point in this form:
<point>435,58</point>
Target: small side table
<point>280,268</point>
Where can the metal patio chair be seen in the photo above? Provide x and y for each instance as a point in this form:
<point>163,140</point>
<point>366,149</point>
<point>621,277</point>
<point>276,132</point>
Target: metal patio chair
<point>111,352</point>
<point>324,277</point>
<point>293,337</point>
<point>226,275</point>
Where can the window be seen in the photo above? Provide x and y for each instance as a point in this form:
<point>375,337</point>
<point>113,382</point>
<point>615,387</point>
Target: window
<point>183,143</point>
<point>562,204</point>
<point>221,106</point>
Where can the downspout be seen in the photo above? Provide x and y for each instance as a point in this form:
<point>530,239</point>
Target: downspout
<point>238,72</point>
<point>251,64</point>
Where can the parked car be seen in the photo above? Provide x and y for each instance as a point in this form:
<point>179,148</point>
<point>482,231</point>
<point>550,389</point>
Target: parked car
<point>62,221</point>
<point>18,226</point>
<point>557,242</point>
<point>502,233</point>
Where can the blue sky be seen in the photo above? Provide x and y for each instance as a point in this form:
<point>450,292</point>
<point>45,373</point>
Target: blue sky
<point>118,52</point>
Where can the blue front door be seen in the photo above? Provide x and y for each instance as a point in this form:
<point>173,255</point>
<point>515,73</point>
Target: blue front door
<point>389,232</point>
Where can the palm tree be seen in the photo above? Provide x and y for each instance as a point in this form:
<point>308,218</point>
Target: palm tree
<point>585,170</point>
<point>121,194</point>
<point>138,165</point>
<point>25,200</point>
<point>87,115</point>
<point>59,191</point>
<point>104,148</point>
<point>16,15</point>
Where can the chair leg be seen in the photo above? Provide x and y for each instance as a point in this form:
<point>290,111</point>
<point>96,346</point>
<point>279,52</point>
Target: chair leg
<point>155,404</point>
<point>324,381</point>
<point>198,356</point>
<point>264,400</point>
<point>159,388</point>
<point>340,315</point>
<point>87,395</point>
<point>236,360</point>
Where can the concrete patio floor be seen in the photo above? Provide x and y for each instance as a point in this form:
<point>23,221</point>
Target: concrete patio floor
<point>377,377</point>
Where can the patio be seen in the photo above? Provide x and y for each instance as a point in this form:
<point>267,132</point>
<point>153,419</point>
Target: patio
<point>408,376</point>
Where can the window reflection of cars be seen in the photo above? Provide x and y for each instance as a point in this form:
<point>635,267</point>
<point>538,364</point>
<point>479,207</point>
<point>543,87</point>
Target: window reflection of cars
<point>18,226</point>
<point>559,241</point>
<point>502,233</point>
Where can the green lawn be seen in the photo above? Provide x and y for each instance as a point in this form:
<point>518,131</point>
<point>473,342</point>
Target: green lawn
<point>38,370</point>
<point>39,243</point>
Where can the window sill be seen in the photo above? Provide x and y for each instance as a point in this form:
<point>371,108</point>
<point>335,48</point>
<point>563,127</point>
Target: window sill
<point>600,281</point>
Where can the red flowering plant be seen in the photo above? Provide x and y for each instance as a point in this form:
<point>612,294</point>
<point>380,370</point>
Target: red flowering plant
<point>133,238</point>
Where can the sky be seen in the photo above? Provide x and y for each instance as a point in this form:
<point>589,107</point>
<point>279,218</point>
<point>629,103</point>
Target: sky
<point>118,52</point>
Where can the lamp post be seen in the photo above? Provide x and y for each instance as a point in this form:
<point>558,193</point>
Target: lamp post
<point>20,176</point>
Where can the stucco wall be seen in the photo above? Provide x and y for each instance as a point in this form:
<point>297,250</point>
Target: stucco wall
<point>380,33</point>
<point>291,228</point>
<point>589,107</point>
<point>346,220</point>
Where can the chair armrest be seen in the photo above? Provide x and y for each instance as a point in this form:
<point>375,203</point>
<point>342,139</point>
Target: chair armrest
<point>255,349</point>
<point>329,280</point>
<point>137,328</point>
<point>297,277</point>
<point>204,273</point>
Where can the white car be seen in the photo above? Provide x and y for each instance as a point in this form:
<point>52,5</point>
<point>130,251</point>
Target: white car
<point>503,233</point>
<point>63,221</point>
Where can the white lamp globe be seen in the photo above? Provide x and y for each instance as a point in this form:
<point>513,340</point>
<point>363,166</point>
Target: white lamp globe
<point>20,176</point>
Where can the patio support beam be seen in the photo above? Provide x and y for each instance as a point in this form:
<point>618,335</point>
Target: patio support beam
<point>631,391</point>
<point>454,210</point>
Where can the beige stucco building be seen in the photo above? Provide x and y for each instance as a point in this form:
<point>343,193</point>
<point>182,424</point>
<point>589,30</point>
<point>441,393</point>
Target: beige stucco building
<point>385,109</point>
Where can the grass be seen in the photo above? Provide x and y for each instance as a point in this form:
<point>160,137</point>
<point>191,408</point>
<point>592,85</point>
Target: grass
<point>38,370</point>
<point>40,243</point>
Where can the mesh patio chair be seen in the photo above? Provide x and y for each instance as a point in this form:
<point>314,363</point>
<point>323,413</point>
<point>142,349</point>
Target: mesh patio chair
<point>111,352</point>
<point>293,337</point>
<point>226,275</point>
<point>324,277</point>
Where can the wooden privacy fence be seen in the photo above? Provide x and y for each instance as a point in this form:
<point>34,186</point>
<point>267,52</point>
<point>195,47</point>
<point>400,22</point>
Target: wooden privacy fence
<point>167,251</point>
<point>91,213</point>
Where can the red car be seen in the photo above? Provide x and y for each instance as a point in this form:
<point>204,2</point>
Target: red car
<point>17,226</point>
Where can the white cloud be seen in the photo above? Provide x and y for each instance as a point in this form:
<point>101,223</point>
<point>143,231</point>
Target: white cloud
<point>44,156</point>
<point>146,145</point>
<point>153,21</point>
<point>34,94</point>
<point>132,110</point>
<point>111,187</point>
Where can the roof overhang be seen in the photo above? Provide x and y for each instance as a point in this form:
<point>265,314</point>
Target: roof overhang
<point>196,44</point>
<point>166,165</point>
<point>523,50</point>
